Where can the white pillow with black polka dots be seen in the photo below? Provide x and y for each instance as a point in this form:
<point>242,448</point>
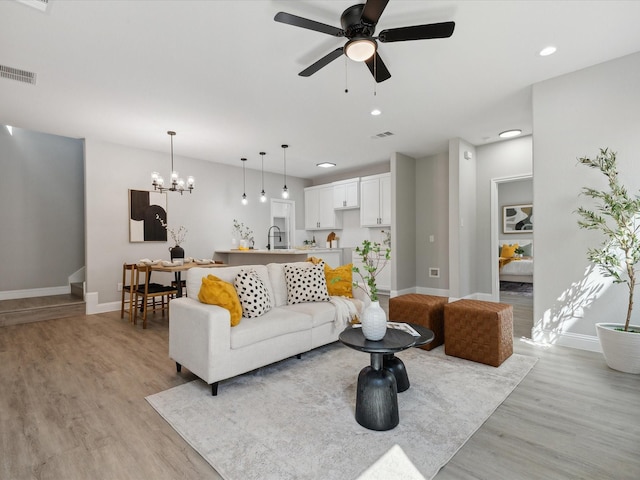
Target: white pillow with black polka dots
<point>306,284</point>
<point>254,296</point>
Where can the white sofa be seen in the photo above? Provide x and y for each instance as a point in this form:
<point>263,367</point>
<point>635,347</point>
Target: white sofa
<point>202,340</point>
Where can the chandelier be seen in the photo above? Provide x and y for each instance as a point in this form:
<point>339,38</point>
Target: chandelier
<point>177,183</point>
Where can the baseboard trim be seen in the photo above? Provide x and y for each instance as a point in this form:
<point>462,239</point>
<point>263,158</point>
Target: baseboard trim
<point>91,300</point>
<point>34,292</point>
<point>567,339</point>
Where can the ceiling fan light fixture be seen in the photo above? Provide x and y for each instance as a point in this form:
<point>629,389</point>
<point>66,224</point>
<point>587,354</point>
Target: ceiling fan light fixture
<point>360,49</point>
<point>510,133</point>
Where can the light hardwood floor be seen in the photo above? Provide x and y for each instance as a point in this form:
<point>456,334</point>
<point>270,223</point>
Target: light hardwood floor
<point>72,407</point>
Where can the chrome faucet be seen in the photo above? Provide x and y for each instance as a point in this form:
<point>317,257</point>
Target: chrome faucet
<point>269,236</point>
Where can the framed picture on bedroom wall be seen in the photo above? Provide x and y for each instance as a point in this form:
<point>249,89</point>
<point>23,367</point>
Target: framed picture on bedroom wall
<point>517,218</point>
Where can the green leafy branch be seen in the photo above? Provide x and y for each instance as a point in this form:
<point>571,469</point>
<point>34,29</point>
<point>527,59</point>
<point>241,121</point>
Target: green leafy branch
<point>374,258</point>
<point>616,216</point>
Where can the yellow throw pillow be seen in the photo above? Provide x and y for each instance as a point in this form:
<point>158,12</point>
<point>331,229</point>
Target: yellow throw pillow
<point>214,291</point>
<point>339,280</point>
<point>508,251</point>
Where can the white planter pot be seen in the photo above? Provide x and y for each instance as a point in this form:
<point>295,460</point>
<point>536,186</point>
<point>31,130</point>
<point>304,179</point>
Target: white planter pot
<point>374,322</point>
<point>621,349</point>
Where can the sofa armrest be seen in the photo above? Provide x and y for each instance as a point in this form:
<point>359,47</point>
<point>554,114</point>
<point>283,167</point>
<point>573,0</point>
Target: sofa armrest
<point>199,336</point>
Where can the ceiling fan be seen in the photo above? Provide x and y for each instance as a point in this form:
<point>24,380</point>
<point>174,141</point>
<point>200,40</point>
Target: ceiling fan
<point>358,26</point>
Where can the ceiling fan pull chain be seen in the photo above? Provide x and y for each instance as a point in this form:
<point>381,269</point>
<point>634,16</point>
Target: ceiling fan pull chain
<point>346,79</point>
<point>375,75</point>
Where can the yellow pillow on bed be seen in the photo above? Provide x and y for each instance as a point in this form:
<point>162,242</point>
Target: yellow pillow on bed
<point>508,251</point>
<point>214,291</point>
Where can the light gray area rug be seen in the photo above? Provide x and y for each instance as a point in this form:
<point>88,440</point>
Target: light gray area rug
<point>295,419</point>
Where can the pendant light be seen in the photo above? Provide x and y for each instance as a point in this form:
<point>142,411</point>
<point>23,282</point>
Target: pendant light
<point>244,183</point>
<point>177,183</point>
<point>263,196</point>
<point>285,191</point>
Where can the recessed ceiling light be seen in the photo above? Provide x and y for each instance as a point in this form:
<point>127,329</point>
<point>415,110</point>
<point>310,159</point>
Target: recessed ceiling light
<point>546,51</point>
<point>510,133</point>
<point>375,112</point>
<point>325,165</point>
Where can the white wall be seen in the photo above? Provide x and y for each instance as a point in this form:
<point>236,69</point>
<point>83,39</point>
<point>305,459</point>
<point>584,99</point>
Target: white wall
<point>41,214</point>
<point>462,219</point>
<point>575,115</point>
<point>207,213</point>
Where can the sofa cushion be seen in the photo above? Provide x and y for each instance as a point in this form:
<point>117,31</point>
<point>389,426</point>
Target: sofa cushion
<point>339,280</point>
<point>216,292</point>
<point>320,312</point>
<point>226,274</point>
<point>279,282</point>
<point>253,295</point>
<point>274,323</point>
<point>306,284</point>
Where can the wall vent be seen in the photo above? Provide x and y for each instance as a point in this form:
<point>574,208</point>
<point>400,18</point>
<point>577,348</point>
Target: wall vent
<point>382,135</point>
<point>17,74</point>
<point>434,272</point>
<point>38,4</point>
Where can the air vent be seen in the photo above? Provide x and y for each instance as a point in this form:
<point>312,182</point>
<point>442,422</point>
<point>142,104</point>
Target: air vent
<point>17,74</point>
<point>38,4</point>
<point>382,135</point>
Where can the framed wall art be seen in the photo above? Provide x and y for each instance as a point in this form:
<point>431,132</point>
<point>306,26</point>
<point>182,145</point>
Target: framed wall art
<point>143,208</point>
<point>517,218</point>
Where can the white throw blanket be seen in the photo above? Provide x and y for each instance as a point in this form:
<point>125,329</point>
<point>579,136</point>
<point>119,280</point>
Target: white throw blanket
<point>347,309</point>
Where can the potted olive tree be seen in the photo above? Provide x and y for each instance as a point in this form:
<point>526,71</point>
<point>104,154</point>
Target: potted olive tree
<point>617,216</point>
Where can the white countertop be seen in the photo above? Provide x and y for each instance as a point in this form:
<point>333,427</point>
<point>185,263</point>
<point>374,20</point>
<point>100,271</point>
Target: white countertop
<point>295,251</point>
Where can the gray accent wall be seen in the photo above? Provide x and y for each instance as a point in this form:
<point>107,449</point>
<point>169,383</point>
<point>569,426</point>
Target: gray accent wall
<point>432,219</point>
<point>403,221</point>
<point>41,211</point>
<point>575,115</point>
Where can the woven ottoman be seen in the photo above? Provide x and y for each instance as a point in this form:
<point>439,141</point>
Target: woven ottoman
<point>425,310</point>
<point>479,331</point>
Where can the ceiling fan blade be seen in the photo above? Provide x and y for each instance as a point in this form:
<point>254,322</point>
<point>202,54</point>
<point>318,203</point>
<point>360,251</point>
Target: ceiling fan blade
<point>377,68</point>
<point>417,32</point>
<point>323,62</point>
<point>372,11</point>
<point>296,21</point>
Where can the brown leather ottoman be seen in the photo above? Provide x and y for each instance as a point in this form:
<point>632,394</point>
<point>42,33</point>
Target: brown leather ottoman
<point>425,310</point>
<point>479,331</point>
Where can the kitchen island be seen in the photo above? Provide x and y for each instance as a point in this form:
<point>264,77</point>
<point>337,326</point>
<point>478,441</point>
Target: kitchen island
<point>332,256</point>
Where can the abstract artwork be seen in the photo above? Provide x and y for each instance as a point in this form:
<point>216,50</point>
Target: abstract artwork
<point>517,219</point>
<point>143,208</point>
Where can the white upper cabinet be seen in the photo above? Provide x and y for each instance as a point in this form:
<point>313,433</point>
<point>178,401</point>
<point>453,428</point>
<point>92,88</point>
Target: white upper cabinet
<point>346,194</point>
<point>318,209</point>
<point>375,200</point>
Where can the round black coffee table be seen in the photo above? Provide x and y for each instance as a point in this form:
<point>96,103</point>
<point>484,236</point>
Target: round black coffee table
<point>377,393</point>
<point>396,366</point>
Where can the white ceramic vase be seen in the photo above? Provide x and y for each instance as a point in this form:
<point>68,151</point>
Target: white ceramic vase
<point>374,322</point>
<point>621,349</point>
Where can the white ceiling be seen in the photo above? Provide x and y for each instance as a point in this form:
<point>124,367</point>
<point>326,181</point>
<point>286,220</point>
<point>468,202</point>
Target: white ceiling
<point>224,75</point>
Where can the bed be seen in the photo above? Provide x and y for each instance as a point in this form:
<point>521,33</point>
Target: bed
<point>516,269</point>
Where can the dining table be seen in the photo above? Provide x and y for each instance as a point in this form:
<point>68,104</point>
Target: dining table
<point>178,269</point>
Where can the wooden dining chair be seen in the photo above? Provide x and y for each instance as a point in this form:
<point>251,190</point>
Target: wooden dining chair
<point>129,302</point>
<point>147,293</point>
